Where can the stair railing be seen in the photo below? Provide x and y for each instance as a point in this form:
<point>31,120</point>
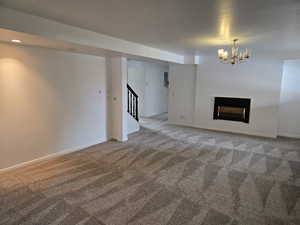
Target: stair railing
<point>132,104</point>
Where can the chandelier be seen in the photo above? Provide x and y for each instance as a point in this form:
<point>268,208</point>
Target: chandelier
<point>236,55</point>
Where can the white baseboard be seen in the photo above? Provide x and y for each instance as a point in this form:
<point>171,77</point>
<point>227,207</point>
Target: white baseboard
<point>251,133</point>
<point>50,156</point>
<point>255,134</point>
<point>288,135</point>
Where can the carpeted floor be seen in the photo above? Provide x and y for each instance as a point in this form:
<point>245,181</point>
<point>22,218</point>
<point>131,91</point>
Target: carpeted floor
<point>164,174</point>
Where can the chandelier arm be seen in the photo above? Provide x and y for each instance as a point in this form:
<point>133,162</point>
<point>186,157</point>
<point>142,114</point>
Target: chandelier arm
<point>225,62</point>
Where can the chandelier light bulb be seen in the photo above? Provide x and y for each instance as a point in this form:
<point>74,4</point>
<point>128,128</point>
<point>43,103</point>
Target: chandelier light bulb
<point>221,53</point>
<point>225,55</point>
<point>242,56</point>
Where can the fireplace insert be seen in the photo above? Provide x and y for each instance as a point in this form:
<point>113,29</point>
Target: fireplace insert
<point>233,109</point>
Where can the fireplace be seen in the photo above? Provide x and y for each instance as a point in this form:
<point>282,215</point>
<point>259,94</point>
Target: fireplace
<point>233,109</point>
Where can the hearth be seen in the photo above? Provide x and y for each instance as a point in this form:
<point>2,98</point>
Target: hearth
<point>233,109</point>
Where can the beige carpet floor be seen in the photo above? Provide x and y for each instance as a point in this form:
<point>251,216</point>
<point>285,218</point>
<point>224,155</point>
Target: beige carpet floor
<point>164,174</point>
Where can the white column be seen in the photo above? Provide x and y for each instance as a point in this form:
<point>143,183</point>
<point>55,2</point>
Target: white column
<point>117,94</point>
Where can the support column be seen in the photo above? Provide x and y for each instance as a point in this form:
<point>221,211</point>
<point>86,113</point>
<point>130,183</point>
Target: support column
<point>117,94</point>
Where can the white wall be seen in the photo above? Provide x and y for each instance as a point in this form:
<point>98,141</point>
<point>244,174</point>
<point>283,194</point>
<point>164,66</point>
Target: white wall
<point>182,94</point>
<point>49,102</point>
<point>132,125</point>
<point>289,123</point>
<point>147,80</point>
<point>117,86</point>
<point>137,80</point>
<point>258,79</point>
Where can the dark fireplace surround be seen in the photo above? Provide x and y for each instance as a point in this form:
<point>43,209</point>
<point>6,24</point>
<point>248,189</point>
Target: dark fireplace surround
<point>233,109</point>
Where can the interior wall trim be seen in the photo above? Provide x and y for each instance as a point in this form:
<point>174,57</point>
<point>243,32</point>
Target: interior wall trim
<point>288,135</point>
<point>50,156</point>
<point>246,133</point>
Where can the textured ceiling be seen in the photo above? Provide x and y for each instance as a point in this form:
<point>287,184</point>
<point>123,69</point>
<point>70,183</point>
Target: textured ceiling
<point>182,26</point>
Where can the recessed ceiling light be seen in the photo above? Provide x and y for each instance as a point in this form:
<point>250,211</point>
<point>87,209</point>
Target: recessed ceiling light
<point>16,41</point>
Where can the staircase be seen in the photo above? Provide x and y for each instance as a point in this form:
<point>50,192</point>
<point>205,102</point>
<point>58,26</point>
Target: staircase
<point>132,104</point>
